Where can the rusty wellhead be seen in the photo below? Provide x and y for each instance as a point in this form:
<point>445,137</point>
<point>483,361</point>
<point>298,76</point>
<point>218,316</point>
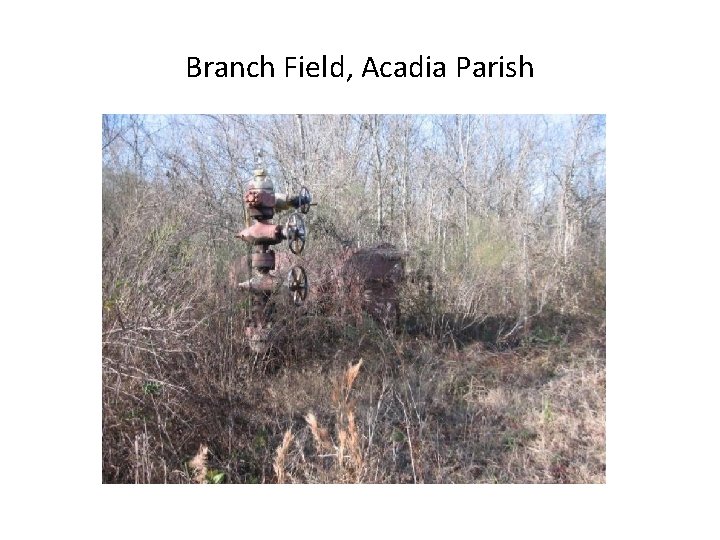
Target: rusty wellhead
<point>262,203</point>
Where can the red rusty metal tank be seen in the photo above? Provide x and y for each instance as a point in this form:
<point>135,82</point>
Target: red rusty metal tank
<point>378,273</point>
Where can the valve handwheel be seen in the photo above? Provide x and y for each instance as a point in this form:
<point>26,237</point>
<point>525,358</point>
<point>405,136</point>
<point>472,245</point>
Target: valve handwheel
<point>297,283</point>
<point>295,233</point>
<point>304,199</point>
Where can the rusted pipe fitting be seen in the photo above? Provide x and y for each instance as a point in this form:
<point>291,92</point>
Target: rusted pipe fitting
<point>264,260</point>
<point>261,284</point>
<point>261,233</point>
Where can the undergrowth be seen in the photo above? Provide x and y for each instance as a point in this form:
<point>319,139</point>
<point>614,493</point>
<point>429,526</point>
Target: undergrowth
<point>351,400</point>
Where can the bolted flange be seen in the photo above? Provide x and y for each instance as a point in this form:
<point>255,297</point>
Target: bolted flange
<point>264,260</point>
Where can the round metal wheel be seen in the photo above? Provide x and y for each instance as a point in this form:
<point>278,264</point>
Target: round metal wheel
<point>305,200</point>
<point>295,233</point>
<point>297,284</point>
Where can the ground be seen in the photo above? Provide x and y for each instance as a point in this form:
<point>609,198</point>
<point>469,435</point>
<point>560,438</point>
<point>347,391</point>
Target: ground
<point>371,405</point>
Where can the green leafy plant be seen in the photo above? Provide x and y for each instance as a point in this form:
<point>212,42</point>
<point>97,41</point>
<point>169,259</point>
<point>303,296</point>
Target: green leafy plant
<point>397,436</point>
<point>215,477</point>
<point>152,388</point>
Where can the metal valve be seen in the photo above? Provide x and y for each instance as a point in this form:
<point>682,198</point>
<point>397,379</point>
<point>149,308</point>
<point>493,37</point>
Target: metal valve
<point>304,200</point>
<point>297,284</point>
<point>295,233</point>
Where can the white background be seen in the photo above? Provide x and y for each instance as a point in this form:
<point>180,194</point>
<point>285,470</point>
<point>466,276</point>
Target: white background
<point>647,65</point>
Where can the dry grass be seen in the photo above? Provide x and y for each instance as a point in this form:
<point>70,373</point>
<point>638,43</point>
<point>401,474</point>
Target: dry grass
<point>349,451</point>
<point>280,455</point>
<point>413,410</point>
<point>346,453</point>
<point>320,435</point>
<point>532,415</point>
<point>198,465</point>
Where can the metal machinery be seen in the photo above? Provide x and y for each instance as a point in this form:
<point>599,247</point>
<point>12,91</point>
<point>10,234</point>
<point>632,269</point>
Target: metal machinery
<point>261,203</point>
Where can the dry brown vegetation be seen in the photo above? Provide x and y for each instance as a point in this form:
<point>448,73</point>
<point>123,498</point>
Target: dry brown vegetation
<point>417,412</point>
<point>496,375</point>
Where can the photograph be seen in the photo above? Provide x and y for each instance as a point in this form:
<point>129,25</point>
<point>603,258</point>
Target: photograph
<point>353,299</point>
